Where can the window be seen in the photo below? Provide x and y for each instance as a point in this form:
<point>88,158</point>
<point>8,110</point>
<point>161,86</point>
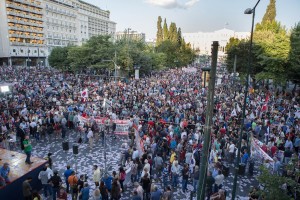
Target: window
<point>14,50</point>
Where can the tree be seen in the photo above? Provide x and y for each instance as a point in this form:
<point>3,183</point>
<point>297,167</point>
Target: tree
<point>179,37</point>
<point>159,34</point>
<point>173,33</point>
<point>293,72</point>
<point>165,30</point>
<point>57,58</point>
<point>270,13</point>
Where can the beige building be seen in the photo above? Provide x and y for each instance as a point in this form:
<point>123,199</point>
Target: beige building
<point>132,35</point>
<point>202,41</point>
<point>22,32</point>
<point>30,29</point>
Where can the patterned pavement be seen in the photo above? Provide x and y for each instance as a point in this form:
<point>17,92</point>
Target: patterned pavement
<point>87,157</point>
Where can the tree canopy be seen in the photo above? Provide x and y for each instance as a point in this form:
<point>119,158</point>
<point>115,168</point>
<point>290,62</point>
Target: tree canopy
<point>272,53</point>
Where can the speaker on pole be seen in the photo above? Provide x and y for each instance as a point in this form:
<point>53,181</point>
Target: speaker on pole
<point>65,146</point>
<point>75,149</point>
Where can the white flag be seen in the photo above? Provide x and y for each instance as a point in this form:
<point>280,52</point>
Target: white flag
<point>85,93</point>
<point>233,113</point>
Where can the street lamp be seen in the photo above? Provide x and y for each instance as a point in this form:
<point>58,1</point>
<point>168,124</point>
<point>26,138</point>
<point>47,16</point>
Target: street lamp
<point>205,70</point>
<point>115,65</point>
<point>248,11</point>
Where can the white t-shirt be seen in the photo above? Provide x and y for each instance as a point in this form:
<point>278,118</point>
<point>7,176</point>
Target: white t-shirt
<point>231,148</point>
<point>90,134</point>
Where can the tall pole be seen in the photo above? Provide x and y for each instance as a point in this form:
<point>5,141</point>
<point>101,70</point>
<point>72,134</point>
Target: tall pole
<point>234,74</point>
<point>208,123</point>
<point>115,65</point>
<point>251,11</point>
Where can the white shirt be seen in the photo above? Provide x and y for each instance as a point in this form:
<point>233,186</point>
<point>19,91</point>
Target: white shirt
<point>90,134</point>
<point>135,154</point>
<point>231,148</point>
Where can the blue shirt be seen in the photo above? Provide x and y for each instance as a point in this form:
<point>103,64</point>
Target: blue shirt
<point>67,173</point>
<point>245,158</point>
<point>85,193</point>
<point>108,182</point>
<point>156,195</point>
<point>4,173</point>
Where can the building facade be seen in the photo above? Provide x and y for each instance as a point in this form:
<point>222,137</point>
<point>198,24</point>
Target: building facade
<point>132,35</point>
<point>22,32</point>
<point>202,41</point>
<point>32,28</point>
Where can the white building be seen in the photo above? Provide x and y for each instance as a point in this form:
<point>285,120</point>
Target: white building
<point>202,41</point>
<point>22,33</point>
<point>132,35</point>
<point>30,29</point>
<point>72,22</point>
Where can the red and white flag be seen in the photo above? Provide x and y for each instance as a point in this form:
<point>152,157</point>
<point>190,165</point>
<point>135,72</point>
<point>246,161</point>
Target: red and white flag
<point>85,93</point>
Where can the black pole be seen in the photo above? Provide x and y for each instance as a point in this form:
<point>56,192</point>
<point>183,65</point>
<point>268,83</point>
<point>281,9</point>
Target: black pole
<point>244,105</point>
<point>208,123</point>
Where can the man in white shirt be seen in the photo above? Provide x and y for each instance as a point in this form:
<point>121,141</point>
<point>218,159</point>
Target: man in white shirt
<point>90,137</point>
<point>135,154</point>
<point>231,150</point>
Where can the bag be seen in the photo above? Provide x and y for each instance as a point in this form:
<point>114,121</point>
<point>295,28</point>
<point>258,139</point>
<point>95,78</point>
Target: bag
<point>80,140</point>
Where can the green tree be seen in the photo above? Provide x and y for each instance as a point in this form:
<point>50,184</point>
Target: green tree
<point>165,30</point>
<point>57,58</point>
<point>159,34</point>
<point>173,32</point>
<point>270,13</point>
<point>179,37</point>
<point>293,72</point>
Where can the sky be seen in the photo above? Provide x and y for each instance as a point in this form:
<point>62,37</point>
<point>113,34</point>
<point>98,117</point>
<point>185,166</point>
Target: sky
<point>194,15</point>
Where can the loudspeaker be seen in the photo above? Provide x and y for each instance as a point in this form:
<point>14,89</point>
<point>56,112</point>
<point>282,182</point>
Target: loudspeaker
<point>65,146</point>
<point>75,149</point>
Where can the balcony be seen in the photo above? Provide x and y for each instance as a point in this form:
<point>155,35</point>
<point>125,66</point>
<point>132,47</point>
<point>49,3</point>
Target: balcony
<point>29,3</point>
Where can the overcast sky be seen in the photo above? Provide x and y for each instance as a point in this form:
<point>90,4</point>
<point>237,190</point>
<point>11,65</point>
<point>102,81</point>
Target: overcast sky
<point>194,15</point>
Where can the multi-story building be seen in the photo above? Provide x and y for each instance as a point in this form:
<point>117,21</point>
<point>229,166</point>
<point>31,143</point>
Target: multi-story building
<point>202,41</point>
<point>22,34</point>
<point>61,23</point>
<point>32,28</point>
<point>132,35</point>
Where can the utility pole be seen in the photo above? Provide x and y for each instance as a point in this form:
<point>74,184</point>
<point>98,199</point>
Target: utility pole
<point>208,123</point>
<point>237,160</point>
<point>234,74</point>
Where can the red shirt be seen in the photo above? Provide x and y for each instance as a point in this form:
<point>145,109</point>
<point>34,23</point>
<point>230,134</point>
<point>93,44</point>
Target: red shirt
<point>264,148</point>
<point>273,150</point>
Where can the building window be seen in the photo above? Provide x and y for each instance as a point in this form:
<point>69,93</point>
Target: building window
<point>14,50</point>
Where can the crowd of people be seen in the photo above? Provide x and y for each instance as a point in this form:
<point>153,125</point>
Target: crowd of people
<point>167,112</point>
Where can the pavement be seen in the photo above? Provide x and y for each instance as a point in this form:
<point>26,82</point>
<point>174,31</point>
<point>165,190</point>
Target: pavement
<point>87,157</point>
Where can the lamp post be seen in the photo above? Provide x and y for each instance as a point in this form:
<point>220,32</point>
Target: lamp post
<point>205,70</point>
<point>248,12</point>
<point>115,65</point>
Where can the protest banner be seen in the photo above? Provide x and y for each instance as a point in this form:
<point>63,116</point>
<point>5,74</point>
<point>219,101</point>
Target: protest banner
<point>122,126</point>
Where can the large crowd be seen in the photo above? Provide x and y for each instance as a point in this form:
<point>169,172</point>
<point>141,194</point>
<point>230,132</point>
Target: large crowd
<point>166,109</point>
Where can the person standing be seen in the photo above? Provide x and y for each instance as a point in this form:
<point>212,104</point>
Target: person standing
<point>90,137</point>
<point>44,178</point>
<point>73,183</point>
<point>185,177</point>
<point>175,173</point>
<point>27,190</point>
<point>4,172</point>
<point>122,177</point>
<point>96,175</point>
<point>115,190</point>
<point>85,192</point>
<point>68,173</point>
<point>27,149</point>
<point>196,176</point>
<point>55,181</point>
<point>103,191</point>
